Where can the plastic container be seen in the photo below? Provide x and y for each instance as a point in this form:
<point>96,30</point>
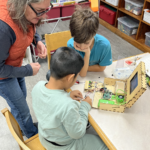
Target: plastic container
<point>146,15</point>
<point>107,15</point>
<point>113,2</point>
<point>128,25</point>
<point>128,5</point>
<point>134,6</point>
<point>147,40</point>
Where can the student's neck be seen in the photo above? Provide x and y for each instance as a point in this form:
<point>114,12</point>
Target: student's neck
<point>54,84</point>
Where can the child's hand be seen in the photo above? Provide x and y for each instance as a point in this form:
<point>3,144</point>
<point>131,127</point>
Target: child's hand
<point>87,50</point>
<point>88,100</point>
<point>76,95</point>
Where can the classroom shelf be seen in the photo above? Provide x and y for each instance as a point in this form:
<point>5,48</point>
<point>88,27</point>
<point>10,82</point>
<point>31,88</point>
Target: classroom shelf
<point>109,4</point>
<point>130,14</point>
<point>146,22</point>
<point>137,40</point>
<point>142,41</point>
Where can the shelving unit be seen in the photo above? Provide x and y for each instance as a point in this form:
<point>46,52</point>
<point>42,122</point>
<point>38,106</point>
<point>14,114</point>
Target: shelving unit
<point>137,40</point>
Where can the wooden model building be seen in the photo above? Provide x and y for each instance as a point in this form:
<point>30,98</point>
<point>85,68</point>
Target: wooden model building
<point>116,95</point>
<point>89,86</point>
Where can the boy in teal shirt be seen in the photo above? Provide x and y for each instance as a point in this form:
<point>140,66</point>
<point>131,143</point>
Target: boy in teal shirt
<point>94,49</point>
<point>62,119</point>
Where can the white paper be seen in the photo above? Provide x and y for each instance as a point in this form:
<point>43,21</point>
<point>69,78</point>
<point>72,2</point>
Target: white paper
<point>146,60</point>
<point>134,31</point>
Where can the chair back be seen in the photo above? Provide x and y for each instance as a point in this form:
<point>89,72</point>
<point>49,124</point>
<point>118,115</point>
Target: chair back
<point>14,128</point>
<point>54,41</point>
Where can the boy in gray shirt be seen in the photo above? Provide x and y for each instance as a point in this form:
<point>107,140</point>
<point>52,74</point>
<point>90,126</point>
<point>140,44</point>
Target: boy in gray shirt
<point>62,118</point>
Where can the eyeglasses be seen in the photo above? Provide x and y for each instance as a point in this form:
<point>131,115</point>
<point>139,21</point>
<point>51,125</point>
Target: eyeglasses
<point>43,12</point>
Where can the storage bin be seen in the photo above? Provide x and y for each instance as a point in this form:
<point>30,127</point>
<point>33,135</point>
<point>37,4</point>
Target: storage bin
<point>113,2</point>
<point>85,4</point>
<point>67,10</point>
<point>128,25</point>
<point>134,6</point>
<point>128,5</point>
<point>146,15</point>
<point>147,40</point>
<point>54,13</point>
<point>107,14</point>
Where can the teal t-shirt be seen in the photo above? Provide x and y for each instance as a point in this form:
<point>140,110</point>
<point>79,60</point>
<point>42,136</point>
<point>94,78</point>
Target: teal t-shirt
<point>100,53</point>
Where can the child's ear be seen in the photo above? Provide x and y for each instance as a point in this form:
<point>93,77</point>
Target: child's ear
<point>70,77</point>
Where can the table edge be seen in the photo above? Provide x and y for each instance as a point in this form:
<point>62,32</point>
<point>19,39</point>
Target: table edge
<point>101,133</point>
<point>98,129</point>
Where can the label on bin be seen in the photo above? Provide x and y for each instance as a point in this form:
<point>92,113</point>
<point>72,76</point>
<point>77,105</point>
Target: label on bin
<point>135,12</point>
<point>134,31</point>
<point>128,7</point>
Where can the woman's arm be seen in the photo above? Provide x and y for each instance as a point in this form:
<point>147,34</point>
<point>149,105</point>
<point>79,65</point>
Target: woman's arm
<point>7,38</point>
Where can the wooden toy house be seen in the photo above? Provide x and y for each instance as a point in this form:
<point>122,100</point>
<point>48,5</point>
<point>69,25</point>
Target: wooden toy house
<point>128,93</point>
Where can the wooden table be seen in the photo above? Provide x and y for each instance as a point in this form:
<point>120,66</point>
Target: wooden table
<point>122,131</point>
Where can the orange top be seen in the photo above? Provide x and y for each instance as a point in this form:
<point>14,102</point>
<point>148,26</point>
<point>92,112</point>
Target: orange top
<point>18,49</point>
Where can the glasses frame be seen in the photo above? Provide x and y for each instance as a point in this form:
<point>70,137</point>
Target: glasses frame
<point>43,12</point>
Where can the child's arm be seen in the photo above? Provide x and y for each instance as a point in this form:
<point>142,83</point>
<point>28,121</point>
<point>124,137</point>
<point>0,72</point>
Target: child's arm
<point>96,68</point>
<point>84,70</point>
<point>76,119</point>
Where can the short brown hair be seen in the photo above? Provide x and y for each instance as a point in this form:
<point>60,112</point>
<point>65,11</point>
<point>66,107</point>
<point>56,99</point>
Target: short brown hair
<point>84,24</point>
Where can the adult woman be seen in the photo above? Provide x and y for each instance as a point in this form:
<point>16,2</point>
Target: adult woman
<point>17,30</point>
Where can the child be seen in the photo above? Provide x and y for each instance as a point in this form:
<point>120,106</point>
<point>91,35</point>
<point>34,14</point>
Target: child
<point>94,48</point>
<point>62,119</point>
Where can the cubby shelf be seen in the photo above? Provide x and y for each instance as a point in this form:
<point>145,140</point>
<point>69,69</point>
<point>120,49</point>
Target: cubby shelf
<point>130,14</point>
<point>146,22</point>
<point>137,40</point>
<point>109,4</point>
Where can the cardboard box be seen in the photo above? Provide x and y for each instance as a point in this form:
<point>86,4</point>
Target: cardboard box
<point>135,86</point>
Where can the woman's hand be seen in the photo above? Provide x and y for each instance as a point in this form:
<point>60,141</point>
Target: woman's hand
<point>35,67</point>
<point>76,95</point>
<point>42,50</point>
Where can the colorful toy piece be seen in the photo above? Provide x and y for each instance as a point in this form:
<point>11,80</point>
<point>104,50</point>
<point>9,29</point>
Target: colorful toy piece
<point>105,102</point>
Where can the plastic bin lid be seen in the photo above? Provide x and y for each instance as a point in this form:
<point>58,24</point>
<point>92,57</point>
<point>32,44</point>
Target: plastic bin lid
<point>128,1</point>
<point>147,34</point>
<point>137,3</point>
<point>128,21</point>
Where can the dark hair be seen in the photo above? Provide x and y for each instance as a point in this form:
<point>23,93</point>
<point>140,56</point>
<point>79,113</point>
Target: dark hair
<point>65,61</point>
<point>84,24</point>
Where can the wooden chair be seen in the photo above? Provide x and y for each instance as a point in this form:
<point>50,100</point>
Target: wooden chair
<point>54,41</point>
<point>32,143</point>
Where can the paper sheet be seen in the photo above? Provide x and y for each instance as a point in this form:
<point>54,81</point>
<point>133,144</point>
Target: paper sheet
<point>146,60</point>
